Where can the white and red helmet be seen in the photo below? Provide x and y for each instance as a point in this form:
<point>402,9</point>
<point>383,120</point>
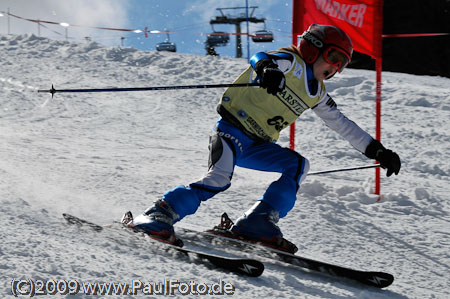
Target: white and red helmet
<point>330,41</point>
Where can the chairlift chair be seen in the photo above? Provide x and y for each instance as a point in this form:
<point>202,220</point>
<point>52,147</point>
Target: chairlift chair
<point>166,45</point>
<point>217,39</point>
<point>262,36</point>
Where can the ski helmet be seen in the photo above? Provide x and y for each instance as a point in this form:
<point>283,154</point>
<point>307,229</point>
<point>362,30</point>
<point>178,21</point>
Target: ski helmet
<point>330,41</point>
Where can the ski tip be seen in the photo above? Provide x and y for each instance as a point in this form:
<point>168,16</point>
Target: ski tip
<point>73,220</point>
<point>252,268</point>
<point>379,279</point>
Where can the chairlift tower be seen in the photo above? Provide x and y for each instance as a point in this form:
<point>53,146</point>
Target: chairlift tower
<point>236,20</point>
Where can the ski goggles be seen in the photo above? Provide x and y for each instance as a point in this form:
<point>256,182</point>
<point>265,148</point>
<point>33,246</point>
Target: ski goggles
<point>335,56</point>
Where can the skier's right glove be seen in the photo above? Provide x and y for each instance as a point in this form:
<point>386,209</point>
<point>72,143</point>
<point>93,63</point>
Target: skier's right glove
<point>271,77</point>
<point>387,158</point>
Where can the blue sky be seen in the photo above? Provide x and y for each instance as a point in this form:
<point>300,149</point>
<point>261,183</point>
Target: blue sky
<point>188,20</point>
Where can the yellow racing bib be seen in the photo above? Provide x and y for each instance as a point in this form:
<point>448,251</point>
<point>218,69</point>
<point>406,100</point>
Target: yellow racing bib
<point>265,115</point>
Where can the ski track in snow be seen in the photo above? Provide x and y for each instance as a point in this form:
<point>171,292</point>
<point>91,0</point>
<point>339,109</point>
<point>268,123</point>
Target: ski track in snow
<point>99,155</point>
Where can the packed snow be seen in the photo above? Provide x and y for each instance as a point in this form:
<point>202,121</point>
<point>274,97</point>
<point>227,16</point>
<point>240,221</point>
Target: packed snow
<point>97,155</point>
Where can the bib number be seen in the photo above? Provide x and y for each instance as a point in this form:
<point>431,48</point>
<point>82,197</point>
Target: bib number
<point>278,122</point>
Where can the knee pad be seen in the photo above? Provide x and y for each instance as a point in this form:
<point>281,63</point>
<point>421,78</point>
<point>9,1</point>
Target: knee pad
<point>221,166</point>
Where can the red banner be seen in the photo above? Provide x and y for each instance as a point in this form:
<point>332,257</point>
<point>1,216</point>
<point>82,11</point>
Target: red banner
<point>362,20</point>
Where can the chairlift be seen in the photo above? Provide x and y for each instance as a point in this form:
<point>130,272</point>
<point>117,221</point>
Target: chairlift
<point>262,36</point>
<point>217,39</point>
<point>166,45</point>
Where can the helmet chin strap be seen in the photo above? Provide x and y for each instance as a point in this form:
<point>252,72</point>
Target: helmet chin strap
<point>331,76</point>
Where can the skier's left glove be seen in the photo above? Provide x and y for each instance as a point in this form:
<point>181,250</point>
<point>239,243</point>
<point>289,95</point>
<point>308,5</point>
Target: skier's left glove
<point>271,77</point>
<point>387,158</point>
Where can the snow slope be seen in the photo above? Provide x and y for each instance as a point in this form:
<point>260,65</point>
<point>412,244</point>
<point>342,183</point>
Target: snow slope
<point>98,155</point>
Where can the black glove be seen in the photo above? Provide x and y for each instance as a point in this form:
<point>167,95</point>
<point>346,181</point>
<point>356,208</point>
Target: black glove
<point>271,77</point>
<point>387,158</point>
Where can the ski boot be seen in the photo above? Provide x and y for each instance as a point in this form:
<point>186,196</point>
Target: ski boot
<point>260,224</point>
<point>156,221</point>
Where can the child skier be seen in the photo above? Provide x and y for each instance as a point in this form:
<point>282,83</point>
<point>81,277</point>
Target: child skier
<point>291,82</point>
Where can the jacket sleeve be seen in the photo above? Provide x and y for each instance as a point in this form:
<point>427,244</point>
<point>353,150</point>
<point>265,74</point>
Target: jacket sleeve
<point>283,60</point>
<point>327,110</point>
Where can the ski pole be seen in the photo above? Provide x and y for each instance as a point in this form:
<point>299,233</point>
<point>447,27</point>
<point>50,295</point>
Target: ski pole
<point>345,169</point>
<point>53,90</point>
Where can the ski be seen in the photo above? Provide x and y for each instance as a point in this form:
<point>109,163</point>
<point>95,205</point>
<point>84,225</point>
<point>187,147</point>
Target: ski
<point>245,266</point>
<point>224,239</point>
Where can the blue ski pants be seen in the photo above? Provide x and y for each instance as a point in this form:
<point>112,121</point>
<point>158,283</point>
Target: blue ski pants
<point>229,147</point>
